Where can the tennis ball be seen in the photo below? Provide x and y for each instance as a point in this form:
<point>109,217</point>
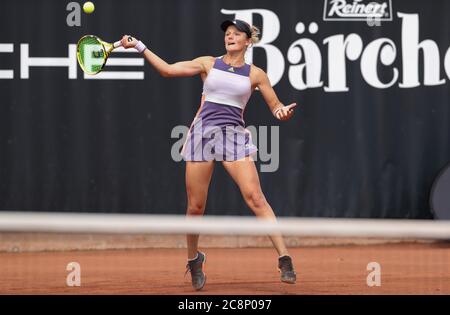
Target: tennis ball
<point>88,7</point>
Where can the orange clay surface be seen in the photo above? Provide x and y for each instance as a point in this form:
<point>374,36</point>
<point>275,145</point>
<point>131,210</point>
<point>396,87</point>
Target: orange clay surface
<point>405,269</point>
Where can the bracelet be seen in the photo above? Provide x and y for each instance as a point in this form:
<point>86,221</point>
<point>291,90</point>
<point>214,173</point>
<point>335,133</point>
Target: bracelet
<point>140,47</point>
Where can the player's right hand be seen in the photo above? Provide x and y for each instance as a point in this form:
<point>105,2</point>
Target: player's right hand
<point>126,43</point>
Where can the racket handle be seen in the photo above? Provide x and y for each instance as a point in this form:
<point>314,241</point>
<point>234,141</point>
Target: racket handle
<point>117,44</point>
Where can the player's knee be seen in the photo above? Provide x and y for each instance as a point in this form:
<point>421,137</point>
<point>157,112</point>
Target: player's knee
<point>255,199</point>
<point>196,208</point>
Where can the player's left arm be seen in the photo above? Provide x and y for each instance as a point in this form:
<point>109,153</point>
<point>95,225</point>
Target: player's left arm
<point>278,109</point>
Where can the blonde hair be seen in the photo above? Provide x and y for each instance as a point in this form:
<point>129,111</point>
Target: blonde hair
<point>255,34</point>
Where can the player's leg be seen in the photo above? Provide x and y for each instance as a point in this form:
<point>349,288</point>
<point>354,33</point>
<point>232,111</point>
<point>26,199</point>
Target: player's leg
<point>198,177</point>
<point>245,175</point>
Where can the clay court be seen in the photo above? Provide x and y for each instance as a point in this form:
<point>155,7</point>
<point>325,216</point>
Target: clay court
<point>406,268</point>
<point>309,136</point>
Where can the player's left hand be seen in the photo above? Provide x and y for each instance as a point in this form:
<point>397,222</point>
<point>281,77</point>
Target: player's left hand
<point>285,112</point>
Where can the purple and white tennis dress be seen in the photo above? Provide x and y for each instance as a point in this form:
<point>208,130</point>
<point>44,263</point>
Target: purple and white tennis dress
<point>218,130</point>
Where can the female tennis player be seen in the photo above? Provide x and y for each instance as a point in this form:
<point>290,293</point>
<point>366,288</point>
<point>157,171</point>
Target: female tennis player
<point>228,83</point>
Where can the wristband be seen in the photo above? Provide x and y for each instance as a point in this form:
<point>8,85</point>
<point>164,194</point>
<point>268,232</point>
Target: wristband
<point>140,47</point>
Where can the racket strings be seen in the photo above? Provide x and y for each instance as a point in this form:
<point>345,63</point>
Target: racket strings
<point>91,54</point>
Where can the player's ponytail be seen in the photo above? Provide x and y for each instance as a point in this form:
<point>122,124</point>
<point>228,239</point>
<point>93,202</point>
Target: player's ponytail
<point>255,34</point>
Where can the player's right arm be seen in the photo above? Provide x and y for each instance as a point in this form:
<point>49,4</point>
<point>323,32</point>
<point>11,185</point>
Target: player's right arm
<point>178,69</point>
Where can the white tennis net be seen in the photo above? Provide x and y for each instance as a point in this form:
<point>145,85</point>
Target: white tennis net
<point>219,225</point>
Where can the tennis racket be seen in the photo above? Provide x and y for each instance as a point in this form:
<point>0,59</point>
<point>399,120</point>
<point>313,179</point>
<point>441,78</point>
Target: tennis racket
<point>92,53</point>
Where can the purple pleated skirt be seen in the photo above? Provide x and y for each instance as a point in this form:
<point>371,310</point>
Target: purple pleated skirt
<point>218,134</point>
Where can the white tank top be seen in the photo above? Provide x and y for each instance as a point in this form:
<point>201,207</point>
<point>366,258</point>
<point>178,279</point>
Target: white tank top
<point>228,85</point>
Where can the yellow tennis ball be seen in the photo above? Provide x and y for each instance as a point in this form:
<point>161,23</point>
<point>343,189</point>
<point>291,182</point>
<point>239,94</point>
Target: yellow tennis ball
<point>88,7</point>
